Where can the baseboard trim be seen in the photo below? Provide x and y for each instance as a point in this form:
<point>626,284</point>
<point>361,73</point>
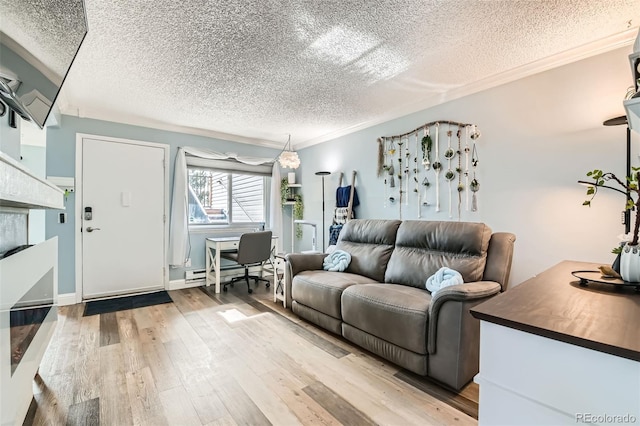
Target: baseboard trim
<point>180,284</point>
<point>66,299</point>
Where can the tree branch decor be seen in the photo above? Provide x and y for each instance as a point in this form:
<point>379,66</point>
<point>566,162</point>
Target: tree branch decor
<point>630,186</point>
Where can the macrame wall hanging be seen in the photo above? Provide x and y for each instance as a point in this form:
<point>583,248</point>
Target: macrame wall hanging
<point>408,161</point>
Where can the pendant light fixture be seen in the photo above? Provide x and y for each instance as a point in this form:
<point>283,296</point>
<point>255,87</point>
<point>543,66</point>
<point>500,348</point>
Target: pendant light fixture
<point>288,158</point>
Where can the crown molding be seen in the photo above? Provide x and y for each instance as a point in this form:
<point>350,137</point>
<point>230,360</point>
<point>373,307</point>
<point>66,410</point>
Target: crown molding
<point>67,108</point>
<point>616,41</point>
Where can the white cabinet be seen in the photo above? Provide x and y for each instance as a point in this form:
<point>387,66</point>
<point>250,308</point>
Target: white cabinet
<point>527,379</point>
<point>28,315</point>
<point>28,289</point>
<point>553,352</point>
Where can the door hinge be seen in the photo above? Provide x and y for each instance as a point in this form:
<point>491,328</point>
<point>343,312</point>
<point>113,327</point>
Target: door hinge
<point>164,272</point>
<point>164,164</point>
<point>164,218</point>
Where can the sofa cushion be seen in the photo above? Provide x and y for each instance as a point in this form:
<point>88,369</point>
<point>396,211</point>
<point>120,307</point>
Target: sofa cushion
<point>423,247</point>
<point>321,290</point>
<point>395,313</point>
<point>370,243</point>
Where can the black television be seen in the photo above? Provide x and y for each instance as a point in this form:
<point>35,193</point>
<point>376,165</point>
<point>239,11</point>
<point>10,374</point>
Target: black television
<point>39,41</point>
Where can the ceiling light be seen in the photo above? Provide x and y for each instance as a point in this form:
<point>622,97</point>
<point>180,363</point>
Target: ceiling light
<point>289,158</point>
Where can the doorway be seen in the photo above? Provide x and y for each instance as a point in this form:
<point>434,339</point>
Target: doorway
<point>121,211</point>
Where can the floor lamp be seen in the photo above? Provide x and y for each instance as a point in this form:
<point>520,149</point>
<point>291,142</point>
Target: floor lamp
<point>617,121</point>
<point>323,174</point>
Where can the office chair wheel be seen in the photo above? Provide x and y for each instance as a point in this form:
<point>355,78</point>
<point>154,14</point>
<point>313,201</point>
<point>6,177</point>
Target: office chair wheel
<point>250,291</point>
<point>224,289</point>
<point>268,284</point>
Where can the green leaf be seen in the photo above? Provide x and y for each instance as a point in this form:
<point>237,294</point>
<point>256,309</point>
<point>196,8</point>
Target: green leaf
<point>587,203</point>
<point>589,173</point>
<point>591,190</point>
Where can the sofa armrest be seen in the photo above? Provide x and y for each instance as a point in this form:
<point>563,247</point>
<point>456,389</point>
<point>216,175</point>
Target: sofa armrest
<point>467,292</point>
<point>298,262</point>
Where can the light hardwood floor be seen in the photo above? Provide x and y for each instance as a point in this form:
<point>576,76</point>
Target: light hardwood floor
<point>224,360</point>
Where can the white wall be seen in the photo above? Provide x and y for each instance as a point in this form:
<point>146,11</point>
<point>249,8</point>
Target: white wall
<point>539,136</point>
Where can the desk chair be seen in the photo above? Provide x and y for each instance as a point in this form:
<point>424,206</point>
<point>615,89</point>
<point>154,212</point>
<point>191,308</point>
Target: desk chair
<point>254,248</point>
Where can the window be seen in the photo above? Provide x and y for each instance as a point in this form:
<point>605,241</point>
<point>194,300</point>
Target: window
<point>220,198</point>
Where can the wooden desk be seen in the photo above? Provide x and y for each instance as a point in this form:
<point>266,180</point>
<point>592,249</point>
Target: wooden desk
<point>213,247</point>
<point>552,352</point>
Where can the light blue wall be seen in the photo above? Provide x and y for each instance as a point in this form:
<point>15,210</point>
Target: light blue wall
<point>540,135</point>
<point>61,148</point>
<point>10,137</point>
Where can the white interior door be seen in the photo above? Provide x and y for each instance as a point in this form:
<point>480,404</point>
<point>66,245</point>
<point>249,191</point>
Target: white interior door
<point>123,236</point>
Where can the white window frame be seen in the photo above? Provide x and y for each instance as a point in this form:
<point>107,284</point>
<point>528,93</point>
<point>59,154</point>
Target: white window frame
<point>230,168</point>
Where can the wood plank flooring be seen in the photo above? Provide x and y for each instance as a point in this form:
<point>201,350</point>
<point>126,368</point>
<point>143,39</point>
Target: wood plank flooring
<point>227,359</point>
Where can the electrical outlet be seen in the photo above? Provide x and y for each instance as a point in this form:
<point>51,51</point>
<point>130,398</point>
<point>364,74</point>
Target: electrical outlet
<point>62,218</point>
<point>188,262</point>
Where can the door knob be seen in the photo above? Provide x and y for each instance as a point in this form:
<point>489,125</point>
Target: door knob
<point>90,229</point>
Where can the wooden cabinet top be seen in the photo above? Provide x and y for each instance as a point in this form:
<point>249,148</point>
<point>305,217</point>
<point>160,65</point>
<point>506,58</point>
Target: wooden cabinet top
<point>554,305</point>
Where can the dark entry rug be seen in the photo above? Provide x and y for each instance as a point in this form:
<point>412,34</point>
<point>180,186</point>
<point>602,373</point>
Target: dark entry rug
<point>127,302</point>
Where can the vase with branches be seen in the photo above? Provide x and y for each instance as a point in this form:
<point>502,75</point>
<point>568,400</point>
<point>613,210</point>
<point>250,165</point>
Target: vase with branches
<point>630,188</point>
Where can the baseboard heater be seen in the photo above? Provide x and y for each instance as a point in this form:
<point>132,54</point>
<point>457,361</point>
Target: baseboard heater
<point>194,275</point>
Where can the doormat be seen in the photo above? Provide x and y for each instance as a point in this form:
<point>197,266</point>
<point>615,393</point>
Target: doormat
<point>127,302</point>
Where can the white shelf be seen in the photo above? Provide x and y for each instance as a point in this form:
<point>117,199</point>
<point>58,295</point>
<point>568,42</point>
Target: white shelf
<point>22,189</point>
<point>294,185</point>
<point>632,107</point>
<point>288,203</point>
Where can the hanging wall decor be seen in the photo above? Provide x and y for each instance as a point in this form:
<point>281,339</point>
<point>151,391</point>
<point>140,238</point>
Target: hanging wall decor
<point>449,174</point>
<point>460,187</point>
<point>475,185</point>
<point>396,154</point>
<point>437,166</point>
<point>400,176</point>
<point>381,157</point>
<point>406,171</point>
<point>426,148</point>
<point>467,151</point>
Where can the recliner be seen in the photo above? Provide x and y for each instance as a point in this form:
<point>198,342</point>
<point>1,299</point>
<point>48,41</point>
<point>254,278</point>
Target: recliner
<point>254,248</point>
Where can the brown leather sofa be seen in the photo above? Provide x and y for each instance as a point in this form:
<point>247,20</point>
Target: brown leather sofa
<point>381,304</point>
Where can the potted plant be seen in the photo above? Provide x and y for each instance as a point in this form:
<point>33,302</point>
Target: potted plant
<point>630,251</point>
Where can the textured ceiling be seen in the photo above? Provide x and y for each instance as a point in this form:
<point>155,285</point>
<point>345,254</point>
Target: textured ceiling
<point>29,23</point>
<point>262,69</point>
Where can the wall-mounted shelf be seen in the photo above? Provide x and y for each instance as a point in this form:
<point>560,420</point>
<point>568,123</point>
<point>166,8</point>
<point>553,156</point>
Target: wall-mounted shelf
<point>64,183</point>
<point>292,187</point>
<point>20,188</point>
<point>632,107</point>
<point>291,190</point>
